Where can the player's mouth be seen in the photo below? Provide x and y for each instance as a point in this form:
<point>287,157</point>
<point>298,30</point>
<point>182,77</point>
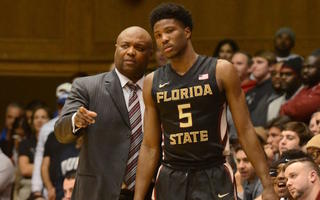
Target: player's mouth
<point>167,48</point>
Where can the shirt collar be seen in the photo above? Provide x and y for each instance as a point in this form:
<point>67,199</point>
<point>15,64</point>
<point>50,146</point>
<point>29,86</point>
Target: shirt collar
<point>124,80</point>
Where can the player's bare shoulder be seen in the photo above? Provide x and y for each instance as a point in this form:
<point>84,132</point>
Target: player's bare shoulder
<point>148,80</point>
<point>147,86</point>
<point>224,67</point>
<point>224,72</point>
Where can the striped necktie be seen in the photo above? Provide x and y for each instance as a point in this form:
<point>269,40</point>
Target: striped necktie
<point>136,136</point>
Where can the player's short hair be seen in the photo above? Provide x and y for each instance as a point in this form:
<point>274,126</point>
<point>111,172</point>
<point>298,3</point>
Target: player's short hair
<point>171,11</point>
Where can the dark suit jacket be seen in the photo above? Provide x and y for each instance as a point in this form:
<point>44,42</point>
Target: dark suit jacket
<point>104,153</point>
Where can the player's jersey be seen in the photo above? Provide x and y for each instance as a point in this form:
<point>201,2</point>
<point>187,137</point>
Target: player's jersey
<point>193,114</point>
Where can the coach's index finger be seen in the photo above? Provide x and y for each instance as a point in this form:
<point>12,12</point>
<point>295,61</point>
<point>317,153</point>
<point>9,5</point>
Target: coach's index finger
<point>90,115</point>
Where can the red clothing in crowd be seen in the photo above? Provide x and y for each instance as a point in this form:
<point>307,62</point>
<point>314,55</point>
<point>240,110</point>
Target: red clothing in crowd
<point>248,85</point>
<point>301,107</point>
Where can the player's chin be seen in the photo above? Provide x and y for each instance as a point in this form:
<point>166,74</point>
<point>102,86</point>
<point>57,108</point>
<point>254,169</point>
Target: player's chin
<point>169,54</point>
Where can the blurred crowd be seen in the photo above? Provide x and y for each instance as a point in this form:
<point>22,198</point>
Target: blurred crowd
<point>283,96</point>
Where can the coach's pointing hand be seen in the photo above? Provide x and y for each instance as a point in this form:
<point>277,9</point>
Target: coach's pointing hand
<point>84,117</point>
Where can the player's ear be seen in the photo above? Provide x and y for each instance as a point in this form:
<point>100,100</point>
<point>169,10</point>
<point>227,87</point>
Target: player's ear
<point>187,32</point>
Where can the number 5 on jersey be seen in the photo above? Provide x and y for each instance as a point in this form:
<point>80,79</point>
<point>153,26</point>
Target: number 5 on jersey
<point>183,115</point>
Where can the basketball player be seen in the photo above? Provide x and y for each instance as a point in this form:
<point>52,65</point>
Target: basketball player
<point>188,97</point>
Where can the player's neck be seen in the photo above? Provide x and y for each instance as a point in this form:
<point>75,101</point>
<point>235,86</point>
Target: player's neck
<point>181,64</point>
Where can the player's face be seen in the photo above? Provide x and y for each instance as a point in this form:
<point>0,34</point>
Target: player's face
<point>171,37</point>
<point>289,140</point>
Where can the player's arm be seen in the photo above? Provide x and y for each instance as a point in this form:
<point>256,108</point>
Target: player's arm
<point>228,81</point>
<point>150,147</point>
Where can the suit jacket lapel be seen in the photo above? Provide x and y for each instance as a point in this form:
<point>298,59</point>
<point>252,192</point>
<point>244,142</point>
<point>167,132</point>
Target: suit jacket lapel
<point>113,85</point>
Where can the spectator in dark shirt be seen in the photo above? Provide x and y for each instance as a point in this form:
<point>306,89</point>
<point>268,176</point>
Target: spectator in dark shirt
<point>307,101</point>
<point>261,95</point>
<point>58,160</point>
<point>27,149</point>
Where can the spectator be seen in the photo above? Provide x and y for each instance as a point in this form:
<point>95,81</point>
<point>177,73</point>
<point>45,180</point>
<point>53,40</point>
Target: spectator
<point>13,111</point>
<point>263,136</point>
<point>303,179</point>
<point>275,77</point>
<point>68,185</point>
<point>314,124</point>
<point>20,131</point>
<point>62,92</point>
<point>259,97</point>
<point>242,61</point>
<point>225,49</point>
<point>313,148</point>
<point>309,97</point>
<point>284,41</point>
<point>27,147</point>
<point>294,136</point>
<point>58,159</point>
<point>277,172</point>
<point>6,177</point>
<point>291,84</point>
<point>30,107</point>
<point>251,184</point>
<point>274,128</point>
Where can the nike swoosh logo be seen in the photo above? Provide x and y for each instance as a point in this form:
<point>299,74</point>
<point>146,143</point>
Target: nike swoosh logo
<point>164,84</point>
<point>222,195</point>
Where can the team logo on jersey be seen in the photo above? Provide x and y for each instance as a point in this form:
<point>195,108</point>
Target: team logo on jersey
<point>203,77</point>
<point>163,84</point>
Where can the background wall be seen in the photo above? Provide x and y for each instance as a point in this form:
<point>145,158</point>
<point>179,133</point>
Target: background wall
<point>42,43</point>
